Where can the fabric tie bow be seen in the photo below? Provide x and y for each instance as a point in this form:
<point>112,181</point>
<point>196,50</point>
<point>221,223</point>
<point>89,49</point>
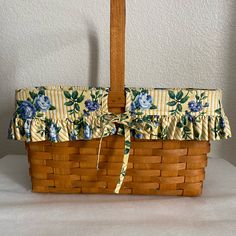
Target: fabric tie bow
<point>129,122</point>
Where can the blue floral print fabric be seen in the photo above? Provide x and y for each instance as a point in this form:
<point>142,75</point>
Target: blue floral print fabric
<point>61,114</point>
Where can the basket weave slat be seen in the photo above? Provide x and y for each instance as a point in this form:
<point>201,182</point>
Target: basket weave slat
<point>155,167</point>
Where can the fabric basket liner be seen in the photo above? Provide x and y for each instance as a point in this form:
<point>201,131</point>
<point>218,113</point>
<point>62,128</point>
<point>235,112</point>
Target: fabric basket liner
<point>60,114</point>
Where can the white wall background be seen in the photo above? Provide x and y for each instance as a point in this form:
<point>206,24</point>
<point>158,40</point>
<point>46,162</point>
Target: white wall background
<point>170,43</point>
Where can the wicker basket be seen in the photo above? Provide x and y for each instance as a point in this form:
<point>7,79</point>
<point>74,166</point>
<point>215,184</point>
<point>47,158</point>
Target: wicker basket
<point>155,167</point>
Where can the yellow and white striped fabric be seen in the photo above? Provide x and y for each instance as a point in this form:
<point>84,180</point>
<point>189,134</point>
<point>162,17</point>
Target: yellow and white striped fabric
<point>58,99</point>
<point>160,97</point>
<point>183,114</point>
<point>65,113</point>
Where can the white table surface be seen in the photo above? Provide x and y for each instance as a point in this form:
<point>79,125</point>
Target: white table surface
<point>26,213</point>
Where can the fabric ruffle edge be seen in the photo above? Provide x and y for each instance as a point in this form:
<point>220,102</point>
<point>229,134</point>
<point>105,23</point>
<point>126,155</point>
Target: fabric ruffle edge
<point>181,128</point>
<point>156,127</point>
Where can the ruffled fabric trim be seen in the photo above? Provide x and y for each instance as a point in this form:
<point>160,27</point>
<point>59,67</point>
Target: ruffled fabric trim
<point>56,130</point>
<point>91,127</point>
<point>180,128</point>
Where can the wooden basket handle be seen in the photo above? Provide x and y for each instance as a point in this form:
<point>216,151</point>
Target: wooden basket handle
<point>117,56</point>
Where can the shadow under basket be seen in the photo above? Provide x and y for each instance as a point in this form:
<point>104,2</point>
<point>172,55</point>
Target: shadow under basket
<point>155,167</point>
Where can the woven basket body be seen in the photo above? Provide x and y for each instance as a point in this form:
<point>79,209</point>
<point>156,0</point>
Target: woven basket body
<point>155,167</point>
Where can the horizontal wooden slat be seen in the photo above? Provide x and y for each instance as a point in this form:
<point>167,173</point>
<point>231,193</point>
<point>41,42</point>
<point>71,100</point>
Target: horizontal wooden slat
<point>194,144</point>
<point>164,180</point>
<point>106,151</point>
<point>168,180</point>
<point>189,186</point>
<point>171,144</point>
<point>145,159</point>
<point>38,162</point>
<point>63,183</point>
<point>105,178</point>
<point>88,144</point>
<point>89,184</point>
<point>158,192</point>
<point>61,156</point>
<point>134,172</point>
<point>104,165</point>
<point>62,171</point>
<point>170,159</point>
<point>114,179</point>
<point>191,172</point>
<point>40,155</point>
<point>167,187</point>
<point>88,171</point>
<point>40,182</point>
<point>64,177</point>
<point>41,169</point>
<point>88,151</point>
<point>61,150</point>
<point>196,164</point>
<point>38,175</point>
<point>194,179</point>
<point>175,144</point>
<point>168,173</point>
<point>160,152</point>
<point>87,157</point>
<point>141,185</point>
<point>63,164</point>
<point>60,144</point>
<point>143,152</point>
<point>192,158</point>
<point>157,166</point>
<point>198,150</point>
<point>175,152</point>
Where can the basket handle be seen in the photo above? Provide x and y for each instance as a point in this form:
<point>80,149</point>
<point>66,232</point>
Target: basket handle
<point>116,100</point>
